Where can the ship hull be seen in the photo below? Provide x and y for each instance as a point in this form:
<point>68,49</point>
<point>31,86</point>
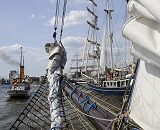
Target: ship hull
<point>18,93</point>
<point>115,91</point>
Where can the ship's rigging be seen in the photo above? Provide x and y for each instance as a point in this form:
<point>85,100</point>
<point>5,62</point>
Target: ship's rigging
<point>76,106</point>
<point>91,49</point>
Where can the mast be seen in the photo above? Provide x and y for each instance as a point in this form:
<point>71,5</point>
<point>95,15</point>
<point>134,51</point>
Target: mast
<point>21,57</point>
<point>91,49</point>
<point>109,18</point>
<point>77,61</point>
<point>76,65</point>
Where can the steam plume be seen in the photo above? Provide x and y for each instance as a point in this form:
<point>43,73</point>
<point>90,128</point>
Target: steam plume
<point>7,59</point>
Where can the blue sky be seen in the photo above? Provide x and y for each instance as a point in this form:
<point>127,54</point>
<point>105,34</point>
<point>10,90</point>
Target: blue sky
<point>29,23</point>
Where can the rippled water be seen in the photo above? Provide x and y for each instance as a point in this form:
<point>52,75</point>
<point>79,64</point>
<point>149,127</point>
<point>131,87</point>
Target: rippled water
<point>10,108</point>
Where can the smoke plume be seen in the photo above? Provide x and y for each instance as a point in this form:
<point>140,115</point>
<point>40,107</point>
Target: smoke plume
<point>7,59</point>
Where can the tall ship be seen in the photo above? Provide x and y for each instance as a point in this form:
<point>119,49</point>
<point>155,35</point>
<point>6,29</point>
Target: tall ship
<point>105,75</point>
<point>91,52</point>
<point>20,86</point>
<point>73,106</point>
<point>75,67</point>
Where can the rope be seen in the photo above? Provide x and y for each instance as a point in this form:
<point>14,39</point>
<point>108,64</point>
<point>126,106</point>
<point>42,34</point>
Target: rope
<point>56,19</point>
<point>56,14</point>
<point>80,119</point>
<point>105,102</point>
<point>63,16</point>
<point>72,125</point>
<point>104,107</point>
<point>85,121</point>
<point>109,125</point>
<point>93,96</point>
<point>101,119</point>
<point>109,110</point>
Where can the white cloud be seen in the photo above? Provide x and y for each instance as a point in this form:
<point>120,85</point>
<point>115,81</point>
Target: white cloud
<point>52,21</point>
<point>72,45</point>
<point>11,48</point>
<point>36,59</point>
<point>82,1</point>
<point>5,55</point>
<point>52,1</point>
<point>43,17</point>
<point>74,17</point>
<point>29,52</point>
<point>71,1</point>
<point>71,42</point>
<point>32,16</point>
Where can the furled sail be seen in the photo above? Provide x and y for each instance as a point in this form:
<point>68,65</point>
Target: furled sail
<point>57,60</point>
<point>106,55</point>
<point>103,54</point>
<point>135,8</point>
<point>143,29</point>
<point>148,42</point>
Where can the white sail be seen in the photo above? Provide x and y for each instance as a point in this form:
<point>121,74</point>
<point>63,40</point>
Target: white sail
<point>145,104</point>
<point>153,6</point>
<point>135,8</point>
<point>144,32</point>
<point>103,54</point>
<point>106,56</point>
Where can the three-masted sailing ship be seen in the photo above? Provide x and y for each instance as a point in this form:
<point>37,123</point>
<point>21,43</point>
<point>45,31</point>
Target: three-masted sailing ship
<point>74,106</point>
<point>108,78</point>
<point>91,50</point>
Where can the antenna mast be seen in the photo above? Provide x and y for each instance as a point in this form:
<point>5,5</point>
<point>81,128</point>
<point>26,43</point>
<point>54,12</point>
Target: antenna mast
<point>21,57</point>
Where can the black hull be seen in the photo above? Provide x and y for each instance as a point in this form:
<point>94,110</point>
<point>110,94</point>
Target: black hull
<point>18,93</point>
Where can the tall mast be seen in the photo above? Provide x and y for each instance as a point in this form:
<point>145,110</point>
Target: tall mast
<point>109,15</point>
<point>21,57</point>
<point>77,61</point>
<point>91,50</point>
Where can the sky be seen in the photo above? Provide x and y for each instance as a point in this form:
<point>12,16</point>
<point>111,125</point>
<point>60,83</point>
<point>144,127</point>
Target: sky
<point>29,23</point>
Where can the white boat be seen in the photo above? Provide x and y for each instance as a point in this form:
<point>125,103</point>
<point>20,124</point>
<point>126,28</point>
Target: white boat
<point>19,90</point>
<point>20,87</point>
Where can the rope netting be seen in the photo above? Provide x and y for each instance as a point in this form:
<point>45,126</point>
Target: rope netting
<point>36,115</point>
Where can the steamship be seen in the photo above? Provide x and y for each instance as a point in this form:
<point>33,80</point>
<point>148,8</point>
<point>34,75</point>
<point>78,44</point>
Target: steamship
<point>20,86</point>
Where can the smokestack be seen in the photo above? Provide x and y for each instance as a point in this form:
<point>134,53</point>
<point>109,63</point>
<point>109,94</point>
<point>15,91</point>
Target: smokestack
<point>21,67</point>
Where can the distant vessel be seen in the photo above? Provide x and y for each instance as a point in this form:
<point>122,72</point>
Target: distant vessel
<point>5,82</point>
<point>20,86</point>
<point>108,77</point>
<point>75,68</point>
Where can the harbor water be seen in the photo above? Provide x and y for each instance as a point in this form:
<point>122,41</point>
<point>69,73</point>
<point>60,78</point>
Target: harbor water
<point>11,108</point>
